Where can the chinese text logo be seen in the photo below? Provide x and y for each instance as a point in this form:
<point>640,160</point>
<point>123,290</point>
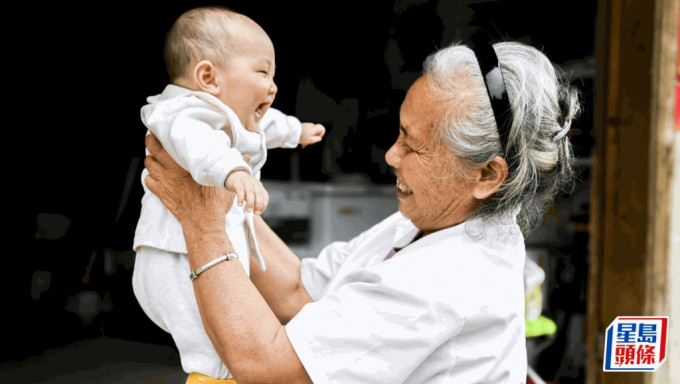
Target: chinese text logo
<point>635,343</point>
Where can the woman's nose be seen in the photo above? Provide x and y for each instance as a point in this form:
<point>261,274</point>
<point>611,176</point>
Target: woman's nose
<point>392,156</point>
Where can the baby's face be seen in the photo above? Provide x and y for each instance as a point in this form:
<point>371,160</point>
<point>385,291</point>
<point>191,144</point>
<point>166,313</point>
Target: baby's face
<point>247,79</point>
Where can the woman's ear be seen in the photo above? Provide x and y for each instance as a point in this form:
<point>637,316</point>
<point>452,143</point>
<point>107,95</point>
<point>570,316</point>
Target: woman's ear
<point>205,77</point>
<point>492,176</point>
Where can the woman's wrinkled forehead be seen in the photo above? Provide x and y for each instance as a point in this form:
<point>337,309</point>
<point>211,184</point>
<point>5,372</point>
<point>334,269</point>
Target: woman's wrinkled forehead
<point>423,107</point>
<point>420,101</point>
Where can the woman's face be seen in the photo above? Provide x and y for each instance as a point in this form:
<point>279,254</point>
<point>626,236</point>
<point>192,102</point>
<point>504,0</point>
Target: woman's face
<point>431,189</point>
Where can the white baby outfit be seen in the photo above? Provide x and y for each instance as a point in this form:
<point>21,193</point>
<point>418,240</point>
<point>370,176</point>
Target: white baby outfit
<point>207,139</point>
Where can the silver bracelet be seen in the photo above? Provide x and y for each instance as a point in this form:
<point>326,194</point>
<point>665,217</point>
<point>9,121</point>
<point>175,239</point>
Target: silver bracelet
<point>198,271</point>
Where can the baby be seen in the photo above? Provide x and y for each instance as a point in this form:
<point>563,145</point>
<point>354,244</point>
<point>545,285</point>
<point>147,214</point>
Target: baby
<point>216,109</point>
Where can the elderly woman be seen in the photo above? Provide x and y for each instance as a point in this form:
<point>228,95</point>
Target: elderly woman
<point>433,293</point>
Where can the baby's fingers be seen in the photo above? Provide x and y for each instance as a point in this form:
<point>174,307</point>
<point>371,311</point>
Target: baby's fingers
<point>250,199</point>
<point>240,195</point>
<point>262,200</point>
<point>320,130</point>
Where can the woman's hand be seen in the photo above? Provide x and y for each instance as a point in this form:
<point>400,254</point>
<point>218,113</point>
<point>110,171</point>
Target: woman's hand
<point>184,197</point>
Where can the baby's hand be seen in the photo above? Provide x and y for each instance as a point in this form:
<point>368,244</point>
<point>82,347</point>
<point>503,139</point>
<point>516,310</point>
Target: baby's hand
<point>311,133</point>
<point>249,189</point>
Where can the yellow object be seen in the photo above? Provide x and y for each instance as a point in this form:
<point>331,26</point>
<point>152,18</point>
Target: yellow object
<point>533,286</point>
<point>540,326</point>
<point>197,378</point>
<point>533,301</point>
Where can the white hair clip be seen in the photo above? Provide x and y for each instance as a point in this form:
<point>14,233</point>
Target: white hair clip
<point>562,133</point>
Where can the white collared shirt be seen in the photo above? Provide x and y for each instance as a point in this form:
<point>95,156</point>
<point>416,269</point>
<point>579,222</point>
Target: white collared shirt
<point>447,308</point>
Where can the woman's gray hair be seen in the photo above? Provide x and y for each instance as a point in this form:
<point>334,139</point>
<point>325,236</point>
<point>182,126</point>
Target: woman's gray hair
<point>543,107</point>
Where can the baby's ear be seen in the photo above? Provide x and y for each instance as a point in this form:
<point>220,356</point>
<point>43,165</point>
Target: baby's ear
<point>205,77</point>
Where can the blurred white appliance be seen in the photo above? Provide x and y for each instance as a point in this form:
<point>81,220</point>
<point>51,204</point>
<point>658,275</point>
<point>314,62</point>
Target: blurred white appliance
<point>308,215</point>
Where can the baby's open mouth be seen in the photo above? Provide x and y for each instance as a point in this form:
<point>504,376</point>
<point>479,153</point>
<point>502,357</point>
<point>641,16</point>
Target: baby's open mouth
<point>261,109</point>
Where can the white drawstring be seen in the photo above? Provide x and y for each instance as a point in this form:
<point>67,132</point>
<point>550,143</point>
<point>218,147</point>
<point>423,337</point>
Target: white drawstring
<point>251,229</point>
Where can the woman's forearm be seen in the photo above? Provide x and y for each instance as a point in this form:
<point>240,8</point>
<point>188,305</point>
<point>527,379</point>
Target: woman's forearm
<point>245,332</point>
<point>280,283</point>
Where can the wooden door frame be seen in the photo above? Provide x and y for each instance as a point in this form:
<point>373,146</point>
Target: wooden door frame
<point>636,52</point>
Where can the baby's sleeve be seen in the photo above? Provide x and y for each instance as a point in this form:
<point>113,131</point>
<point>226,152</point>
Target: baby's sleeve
<point>280,130</point>
<point>193,138</point>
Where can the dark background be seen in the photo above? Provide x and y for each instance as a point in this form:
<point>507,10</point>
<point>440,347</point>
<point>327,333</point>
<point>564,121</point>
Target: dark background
<point>81,74</point>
